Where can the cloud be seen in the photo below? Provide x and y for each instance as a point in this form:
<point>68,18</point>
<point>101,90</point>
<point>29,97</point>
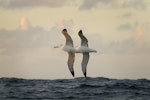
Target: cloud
<point>24,23</point>
<point>121,47</point>
<point>139,34</point>
<point>136,4</point>
<point>12,4</point>
<point>133,45</point>
<point>29,38</point>
<point>124,27</point>
<point>22,40</point>
<point>85,5</point>
<point>127,46</point>
<point>89,4</point>
<point>126,15</point>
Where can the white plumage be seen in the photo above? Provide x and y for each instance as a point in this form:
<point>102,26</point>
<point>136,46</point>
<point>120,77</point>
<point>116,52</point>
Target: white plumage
<point>85,50</point>
<point>68,47</point>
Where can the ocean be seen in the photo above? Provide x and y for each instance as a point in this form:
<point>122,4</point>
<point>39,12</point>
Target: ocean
<point>74,89</point>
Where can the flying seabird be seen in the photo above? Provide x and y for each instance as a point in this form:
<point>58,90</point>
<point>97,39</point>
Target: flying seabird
<point>85,50</point>
<point>68,47</point>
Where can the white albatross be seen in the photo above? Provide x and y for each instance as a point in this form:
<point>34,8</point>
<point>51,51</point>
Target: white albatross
<point>85,50</point>
<point>68,47</point>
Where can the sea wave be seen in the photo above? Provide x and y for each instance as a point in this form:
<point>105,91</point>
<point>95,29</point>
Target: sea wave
<point>78,88</point>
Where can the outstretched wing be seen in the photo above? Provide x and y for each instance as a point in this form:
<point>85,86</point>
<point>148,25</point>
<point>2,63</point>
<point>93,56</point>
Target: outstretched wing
<point>69,40</point>
<point>84,41</point>
<point>71,62</point>
<point>85,62</point>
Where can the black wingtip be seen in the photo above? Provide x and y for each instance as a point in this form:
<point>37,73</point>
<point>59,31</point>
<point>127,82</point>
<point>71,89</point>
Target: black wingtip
<point>80,32</point>
<point>72,74</point>
<point>64,30</point>
<point>85,74</point>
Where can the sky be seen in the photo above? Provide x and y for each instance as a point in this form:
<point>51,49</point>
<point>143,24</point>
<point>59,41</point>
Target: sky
<point>117,29</point>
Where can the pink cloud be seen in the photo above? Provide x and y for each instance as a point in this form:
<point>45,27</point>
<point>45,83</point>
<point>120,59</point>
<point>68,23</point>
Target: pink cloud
<point>24,23</point>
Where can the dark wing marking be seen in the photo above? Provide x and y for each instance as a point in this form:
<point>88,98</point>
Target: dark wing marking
<point>71,60</point>
<point>69,40</point>
<point>85,62</point>
<point>84,41</point>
